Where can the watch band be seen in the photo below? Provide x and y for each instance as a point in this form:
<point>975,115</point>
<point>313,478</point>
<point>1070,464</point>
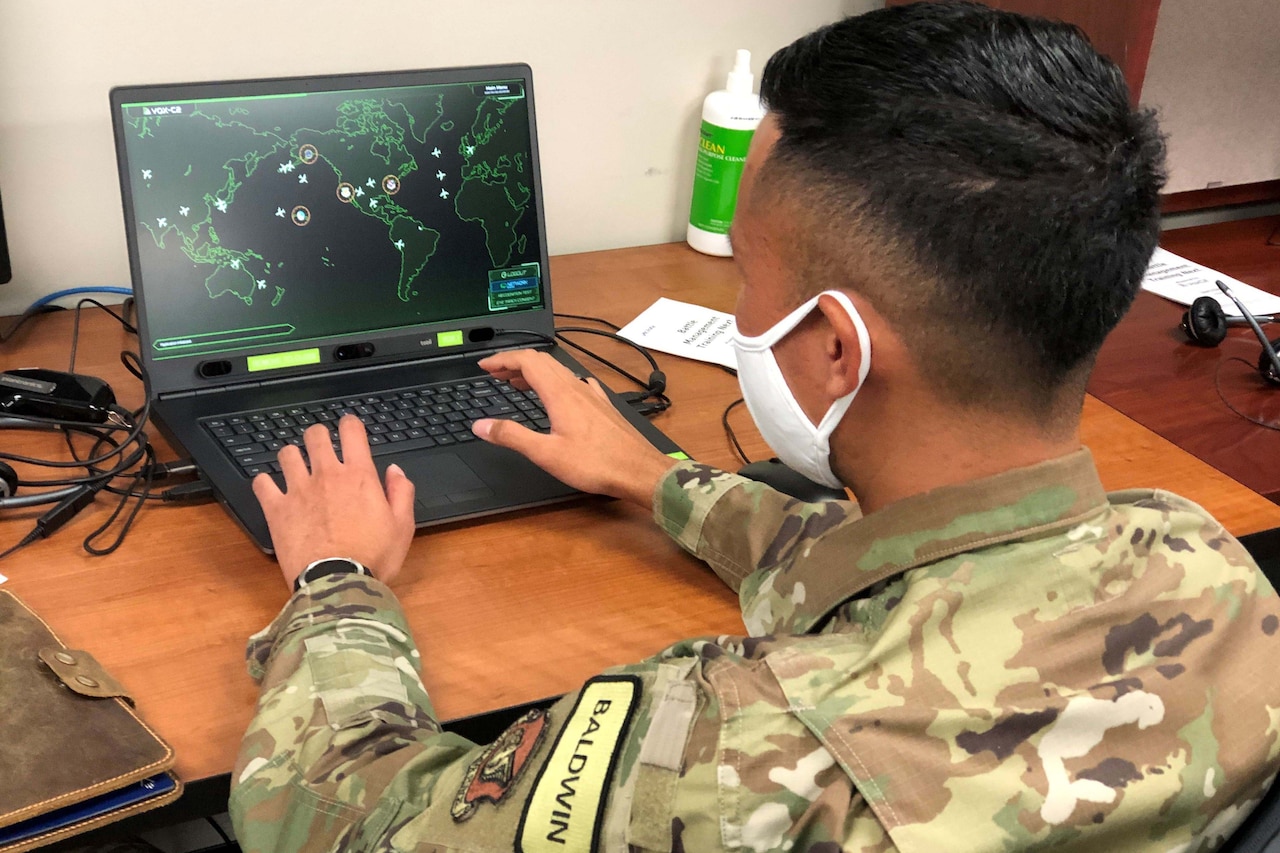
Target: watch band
<point>329,566</point>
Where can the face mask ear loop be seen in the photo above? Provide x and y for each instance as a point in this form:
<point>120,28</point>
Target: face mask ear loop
<point>778,331</point>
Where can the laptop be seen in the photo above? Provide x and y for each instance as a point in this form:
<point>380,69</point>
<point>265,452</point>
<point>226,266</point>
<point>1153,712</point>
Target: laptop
<point>305,247</point>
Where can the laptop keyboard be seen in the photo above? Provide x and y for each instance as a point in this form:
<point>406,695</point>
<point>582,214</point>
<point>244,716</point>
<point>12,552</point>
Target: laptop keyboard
<point>408,419</point>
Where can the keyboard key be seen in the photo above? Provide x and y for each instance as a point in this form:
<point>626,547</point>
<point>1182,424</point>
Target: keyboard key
<point>222,431</point>
<point>396,436</point>
<point>375,440</point>
<point>454,417</point>
<point>445,439</point>
<point>436,430</point>
<point>464,437</point>
<point>378,429</point>
<point>456,428</point>
<point>244,429</point>
<point>473,414</point>
<point>542,423</point>
<point>274,445</point>
<point>315,408</point>
<point>398,426</point>
<point>235,440</point>
<point>255,470</point>
<point>498,409</point>
<point>215,424</point>
<point>235,420</point>
<point>295,411</point>
<point>256,459</point>
<point>246,449</point>
<point>414,432</point>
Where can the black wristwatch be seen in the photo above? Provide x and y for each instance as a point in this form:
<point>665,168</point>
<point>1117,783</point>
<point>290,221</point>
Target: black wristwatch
<point>329,566</point>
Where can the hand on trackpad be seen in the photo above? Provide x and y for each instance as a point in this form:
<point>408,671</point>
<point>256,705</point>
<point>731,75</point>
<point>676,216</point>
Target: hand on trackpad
<point>440,479</point>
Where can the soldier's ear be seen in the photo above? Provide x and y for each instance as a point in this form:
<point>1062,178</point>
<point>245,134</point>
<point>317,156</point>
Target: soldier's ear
<point>843,351</point>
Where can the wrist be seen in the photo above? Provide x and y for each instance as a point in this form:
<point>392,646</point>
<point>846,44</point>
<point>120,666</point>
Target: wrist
<point>644,479</point>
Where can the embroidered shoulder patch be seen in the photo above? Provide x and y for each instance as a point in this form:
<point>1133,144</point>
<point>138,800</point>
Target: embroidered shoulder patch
<point>566,807</point>
<point>492,775</point>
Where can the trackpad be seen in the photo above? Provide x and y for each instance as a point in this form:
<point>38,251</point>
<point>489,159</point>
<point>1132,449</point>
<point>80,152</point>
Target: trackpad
<point>440,479</point>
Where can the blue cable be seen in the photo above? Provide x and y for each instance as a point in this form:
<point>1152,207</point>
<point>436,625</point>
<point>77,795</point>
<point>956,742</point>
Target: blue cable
<point>75,291</point>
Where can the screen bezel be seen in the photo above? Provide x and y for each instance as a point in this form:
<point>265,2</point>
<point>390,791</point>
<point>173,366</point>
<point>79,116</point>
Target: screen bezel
<point>182,374</point>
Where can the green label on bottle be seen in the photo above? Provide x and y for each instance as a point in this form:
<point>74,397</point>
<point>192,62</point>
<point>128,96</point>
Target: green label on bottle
<point>721,154</point>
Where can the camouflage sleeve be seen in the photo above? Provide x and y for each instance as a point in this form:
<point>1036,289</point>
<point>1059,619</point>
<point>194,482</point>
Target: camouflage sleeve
<point>738,525</point>
<point>662,755</point>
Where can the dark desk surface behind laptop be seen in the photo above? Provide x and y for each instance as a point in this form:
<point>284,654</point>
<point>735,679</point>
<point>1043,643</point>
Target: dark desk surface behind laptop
<point>1148,371</point>
<point>506,611</point>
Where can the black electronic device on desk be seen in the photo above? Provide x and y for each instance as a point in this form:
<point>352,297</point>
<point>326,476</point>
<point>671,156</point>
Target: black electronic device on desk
<point>306,247</point>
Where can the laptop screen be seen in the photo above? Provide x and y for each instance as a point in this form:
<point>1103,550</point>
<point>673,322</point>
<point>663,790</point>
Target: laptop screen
<point>273,223</point>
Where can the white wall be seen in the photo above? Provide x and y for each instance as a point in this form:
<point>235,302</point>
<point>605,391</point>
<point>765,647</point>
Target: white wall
<point>619,89</point>
<point>1214,75</point>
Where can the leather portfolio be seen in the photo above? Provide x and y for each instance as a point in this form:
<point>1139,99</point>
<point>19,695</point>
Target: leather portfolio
<point>74,755</point>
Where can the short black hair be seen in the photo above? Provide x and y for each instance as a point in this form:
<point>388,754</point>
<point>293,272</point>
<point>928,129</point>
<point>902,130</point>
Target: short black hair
<point>993,165</point>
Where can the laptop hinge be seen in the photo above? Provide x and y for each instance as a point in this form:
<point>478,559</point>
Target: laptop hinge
<point>197,392</point>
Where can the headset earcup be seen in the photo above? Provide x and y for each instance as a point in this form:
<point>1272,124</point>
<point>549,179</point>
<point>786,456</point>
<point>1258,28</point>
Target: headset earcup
<point>8,481</point>
<point>1205,323</point>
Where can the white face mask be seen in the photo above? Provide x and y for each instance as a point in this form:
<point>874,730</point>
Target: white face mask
<point>784,425</point>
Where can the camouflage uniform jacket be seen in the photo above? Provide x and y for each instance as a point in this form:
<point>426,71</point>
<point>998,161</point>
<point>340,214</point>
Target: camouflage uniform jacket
<point>1018,663</point>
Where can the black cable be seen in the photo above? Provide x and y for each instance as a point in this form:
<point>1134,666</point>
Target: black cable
<point>75,327</point>
<point>728,431</point>
<point>1217,385</point>
<point>590,319</point>
<point>128,453</point>
<point>26,540</point>
<point>143,475</point>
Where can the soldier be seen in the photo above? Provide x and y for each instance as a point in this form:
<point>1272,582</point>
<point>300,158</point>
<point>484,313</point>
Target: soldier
<point>944,214</point>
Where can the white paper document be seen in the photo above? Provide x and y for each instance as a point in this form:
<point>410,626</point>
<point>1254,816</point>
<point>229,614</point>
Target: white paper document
<point>1174,277</point>
<point>680,328</point>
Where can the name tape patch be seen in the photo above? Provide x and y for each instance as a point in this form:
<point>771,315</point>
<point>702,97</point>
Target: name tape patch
<point>566,808</point>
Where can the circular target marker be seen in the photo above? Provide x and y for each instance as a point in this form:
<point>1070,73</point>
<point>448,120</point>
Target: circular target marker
<point>391,185</point>
<point>308,154</point>
<point>300,216</point>
<point>346,192</point>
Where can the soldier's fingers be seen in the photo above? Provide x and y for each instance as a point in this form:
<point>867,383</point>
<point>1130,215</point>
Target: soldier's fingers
<point>355,443</point>
<point>293,467</point>
<point>319,447</point>
<point>266,491</point>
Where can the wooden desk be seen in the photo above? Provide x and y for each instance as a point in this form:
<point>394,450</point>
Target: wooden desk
<point>505,611</point>
<point>1148,371</point>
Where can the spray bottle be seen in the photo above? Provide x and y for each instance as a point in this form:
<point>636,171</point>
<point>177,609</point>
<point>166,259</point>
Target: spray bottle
<point>729,118</point>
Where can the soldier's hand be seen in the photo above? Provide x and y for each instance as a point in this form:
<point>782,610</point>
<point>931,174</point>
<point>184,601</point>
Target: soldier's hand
<point>591,446</point>
<point>337,508</point>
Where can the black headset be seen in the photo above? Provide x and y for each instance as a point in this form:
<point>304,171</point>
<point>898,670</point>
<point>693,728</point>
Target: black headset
<point>1205,324</point>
